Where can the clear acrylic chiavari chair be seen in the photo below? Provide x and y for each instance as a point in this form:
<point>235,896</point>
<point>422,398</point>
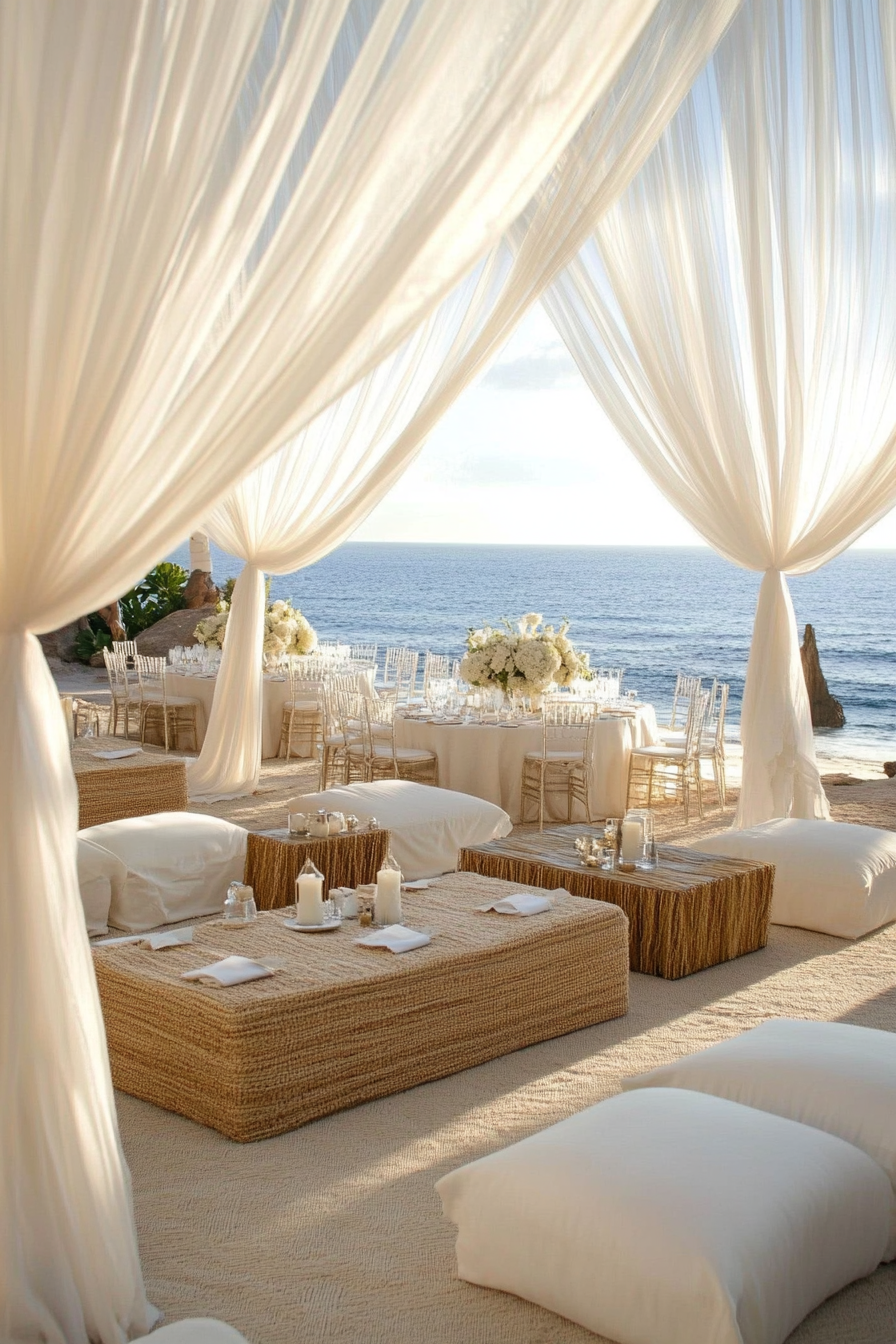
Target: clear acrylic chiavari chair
<point>565,737</point>
<point>172,714</point>
<point>677,764</point>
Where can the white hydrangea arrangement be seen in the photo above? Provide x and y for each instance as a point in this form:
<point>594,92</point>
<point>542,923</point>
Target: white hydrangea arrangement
<point>286,630</point>
<point>523,661</point>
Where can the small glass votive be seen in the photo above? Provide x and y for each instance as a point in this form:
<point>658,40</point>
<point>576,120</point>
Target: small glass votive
<point>298,823</point>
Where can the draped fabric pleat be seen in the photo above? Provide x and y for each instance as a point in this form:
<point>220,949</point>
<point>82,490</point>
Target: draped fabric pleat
<point>294,510</point>
<point>733,315</point>
<point>188,278</point>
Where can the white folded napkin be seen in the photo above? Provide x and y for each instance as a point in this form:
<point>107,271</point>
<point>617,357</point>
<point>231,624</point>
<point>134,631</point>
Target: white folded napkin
<point>230,971</point>
<point>420,885</point>
<point>117,755</point>
<point>396,938</point>
<point>521,903</point>
<point>175,938</point>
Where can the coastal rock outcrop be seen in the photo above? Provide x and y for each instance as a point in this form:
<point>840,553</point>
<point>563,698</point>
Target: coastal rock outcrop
<point>826,710</point>
<point>200,591</point>
<point>175,628</point>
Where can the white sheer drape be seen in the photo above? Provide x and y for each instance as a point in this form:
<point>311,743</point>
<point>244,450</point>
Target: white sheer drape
<point>182,290</point>
<point>733,314</point>
<point>293,511</point>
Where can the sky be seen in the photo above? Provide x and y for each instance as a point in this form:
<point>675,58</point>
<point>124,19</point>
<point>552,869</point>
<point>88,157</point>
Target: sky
<point>526,456</point>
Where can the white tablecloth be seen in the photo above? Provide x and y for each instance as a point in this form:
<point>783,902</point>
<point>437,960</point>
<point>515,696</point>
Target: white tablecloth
<point>276,693</point>
<point>486,760</point>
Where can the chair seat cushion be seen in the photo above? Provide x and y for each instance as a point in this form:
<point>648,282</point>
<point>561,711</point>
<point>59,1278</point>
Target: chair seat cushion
<point>179,865</point>
<point>554,757</point>
<point>660,753</point>
<point>830,876</point>
<point>152,701</point>
<point>200,1330</point>
<point>100,873</point>
<point>302,707</point>
<point>837,1077</point>
<point>428,825</point>
<point>672,1217</point>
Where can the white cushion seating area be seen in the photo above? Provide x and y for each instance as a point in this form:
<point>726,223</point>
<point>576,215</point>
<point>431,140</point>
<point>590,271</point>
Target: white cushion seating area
<point>428,825</point>
<point>831,1075</point>
<point>101,875</point>
<point>178,866</point>
<point>830,876</point>
<point>664,1216</point>
<point>199,1331</point>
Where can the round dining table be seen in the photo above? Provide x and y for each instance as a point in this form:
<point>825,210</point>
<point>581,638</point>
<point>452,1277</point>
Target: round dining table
<point>486,759</point>
<point>200,686</point>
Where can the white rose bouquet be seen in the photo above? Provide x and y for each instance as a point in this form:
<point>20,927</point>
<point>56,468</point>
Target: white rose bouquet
<point>525,660</point>
<point>286,630</point>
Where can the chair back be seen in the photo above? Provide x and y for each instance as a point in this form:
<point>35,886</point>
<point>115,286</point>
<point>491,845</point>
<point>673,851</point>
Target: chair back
<point>693,733</point>
<point>436,667</point>
<point>565,725</point>
<point>364,653</point>
<point>686,687</point>
<point>116,671</point>
<point>720,716</point>
<point>151,676</point>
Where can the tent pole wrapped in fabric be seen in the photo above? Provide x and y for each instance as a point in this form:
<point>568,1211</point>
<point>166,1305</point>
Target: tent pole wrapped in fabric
<point>184,287</point>
<point>732,315</point>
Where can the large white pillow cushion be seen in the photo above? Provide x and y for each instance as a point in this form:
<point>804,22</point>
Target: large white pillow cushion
<point>839,1078</point>
<point>178,864</point>
<point>830,876</point>
<point>100,873</point>
<point>428,825</point>
<point>199,1331</point>
<point>670,1217</point>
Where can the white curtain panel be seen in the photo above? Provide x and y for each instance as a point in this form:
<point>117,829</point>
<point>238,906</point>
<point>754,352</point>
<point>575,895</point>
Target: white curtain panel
<point>733,315</point>
<point>184,287</point>
<point>301,505</point>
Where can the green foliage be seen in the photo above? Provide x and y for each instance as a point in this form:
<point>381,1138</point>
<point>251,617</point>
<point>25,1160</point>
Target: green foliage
<point>160,593</point>
<point>89,642</point>
<point>226,590</point>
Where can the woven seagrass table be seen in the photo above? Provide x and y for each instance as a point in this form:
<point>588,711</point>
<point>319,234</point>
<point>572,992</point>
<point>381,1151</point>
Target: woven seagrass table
<point>273,860</point>
<point>134,786</point>
<point>340,1024</point>
<point>694,910</point>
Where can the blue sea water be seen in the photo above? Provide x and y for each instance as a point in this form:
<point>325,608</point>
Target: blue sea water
<point>652,610</point>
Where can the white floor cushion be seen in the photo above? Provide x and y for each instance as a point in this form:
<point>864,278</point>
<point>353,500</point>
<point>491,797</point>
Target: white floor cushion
<point>199,1331</point>
<point>671,1217</point>
<point>428,825</point>
<point>178,866</point>
<point>100,875</point>
<point>829,875</point>
<point>836,1077</point>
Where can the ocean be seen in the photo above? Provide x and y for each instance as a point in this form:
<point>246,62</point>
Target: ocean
<point>651,610</point>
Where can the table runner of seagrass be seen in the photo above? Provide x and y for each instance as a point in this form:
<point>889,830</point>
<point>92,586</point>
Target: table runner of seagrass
<point>692,911</point>
<point>340,1024</point>
<point>133,786</point>
<point>273,862</point>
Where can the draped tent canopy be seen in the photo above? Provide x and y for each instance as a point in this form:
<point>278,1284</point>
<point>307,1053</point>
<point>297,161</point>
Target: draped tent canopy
<point>733,316</point>
<point>302,504</point>
<point>187,283</point>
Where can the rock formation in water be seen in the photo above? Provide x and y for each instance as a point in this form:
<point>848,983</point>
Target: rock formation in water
<point>826,710</point>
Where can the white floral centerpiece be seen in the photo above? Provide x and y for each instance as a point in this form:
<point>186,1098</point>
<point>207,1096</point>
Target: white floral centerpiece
<point>523,661</point>
<point>286,630</point>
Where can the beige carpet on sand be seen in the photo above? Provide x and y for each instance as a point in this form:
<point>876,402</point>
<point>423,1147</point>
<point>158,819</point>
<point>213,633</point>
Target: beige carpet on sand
<point>335,1233</point>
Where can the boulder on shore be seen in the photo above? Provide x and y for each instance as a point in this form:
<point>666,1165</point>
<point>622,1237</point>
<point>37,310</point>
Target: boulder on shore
<point>826,710</point>
<point>200,591</point>
<point>175,628</point>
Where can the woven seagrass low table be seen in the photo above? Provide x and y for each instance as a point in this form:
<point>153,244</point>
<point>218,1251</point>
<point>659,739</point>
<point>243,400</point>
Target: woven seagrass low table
<point>339,1024</point>
<point>694,910</point>
<point>273,860</point>
<point>134,786</point>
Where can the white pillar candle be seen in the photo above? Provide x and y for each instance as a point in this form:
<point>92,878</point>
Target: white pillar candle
<point>309,899</point>
<point>632,839</point>
<point>388,896</point>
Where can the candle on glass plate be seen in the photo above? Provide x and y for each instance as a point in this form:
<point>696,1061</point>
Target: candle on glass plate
<point>309,895</point>
<point>632,839</point>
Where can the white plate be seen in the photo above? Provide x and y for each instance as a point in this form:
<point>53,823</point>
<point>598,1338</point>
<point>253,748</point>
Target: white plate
<point>327,927</point>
